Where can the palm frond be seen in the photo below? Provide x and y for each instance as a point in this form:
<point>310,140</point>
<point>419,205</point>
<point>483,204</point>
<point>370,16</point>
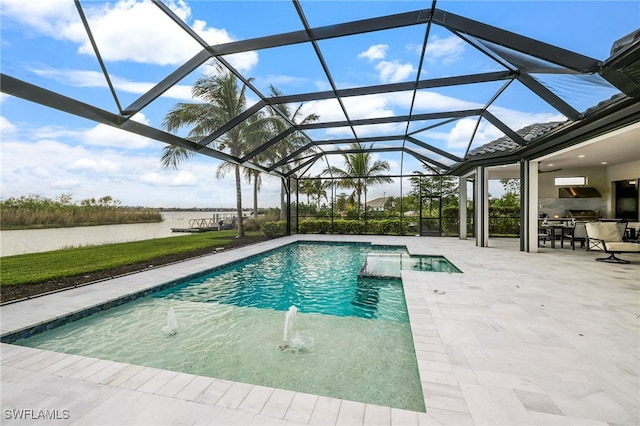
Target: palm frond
<point>173,155</point>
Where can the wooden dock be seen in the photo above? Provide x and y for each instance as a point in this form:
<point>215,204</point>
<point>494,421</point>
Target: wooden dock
<point>200,225</point>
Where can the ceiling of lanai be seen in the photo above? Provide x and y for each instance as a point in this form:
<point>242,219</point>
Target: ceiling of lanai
<point>424,85</point>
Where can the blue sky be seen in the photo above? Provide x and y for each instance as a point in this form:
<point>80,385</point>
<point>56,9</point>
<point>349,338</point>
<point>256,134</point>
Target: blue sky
<point>47,152</point>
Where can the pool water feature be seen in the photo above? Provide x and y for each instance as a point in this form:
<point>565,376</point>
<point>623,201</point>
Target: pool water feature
<point>355,334</point>
<point>389,262</point>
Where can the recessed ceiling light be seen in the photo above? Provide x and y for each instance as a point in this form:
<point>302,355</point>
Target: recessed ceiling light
<point>550,164</point>
<point>604,162</point>
<point>581,156</point>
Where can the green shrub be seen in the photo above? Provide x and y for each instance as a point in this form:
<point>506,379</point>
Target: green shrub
<point>504,220</point>
<point>311,226</point>
<point>353,227</point>
<point>274,229</point>
<point>272,214</point>
<point>391,227</point>
<point>251,225</point>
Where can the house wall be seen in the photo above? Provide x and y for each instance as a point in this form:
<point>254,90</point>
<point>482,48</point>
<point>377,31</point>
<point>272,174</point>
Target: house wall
<point>624,171</point>
<point>552,205</point>
<point>627,171</point>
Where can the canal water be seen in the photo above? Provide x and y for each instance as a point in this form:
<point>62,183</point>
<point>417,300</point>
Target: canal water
<point>37,240</point>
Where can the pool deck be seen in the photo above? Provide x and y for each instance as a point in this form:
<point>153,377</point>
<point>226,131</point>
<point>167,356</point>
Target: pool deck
<point>549,338</point>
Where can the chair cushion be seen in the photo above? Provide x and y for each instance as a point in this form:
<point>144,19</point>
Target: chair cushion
<point>607,231</point>
<point>624,247</point>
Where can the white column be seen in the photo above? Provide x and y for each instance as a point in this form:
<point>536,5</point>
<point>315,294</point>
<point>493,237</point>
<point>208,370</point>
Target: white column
<point>481,201</point>
<point>462,213</point>
<point>532,201</point>
<point>524,205</point>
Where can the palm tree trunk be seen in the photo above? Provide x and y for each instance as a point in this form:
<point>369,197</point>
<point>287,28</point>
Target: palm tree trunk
<point>255,195</point>
<point>283,190</point>
<point>239,202</point>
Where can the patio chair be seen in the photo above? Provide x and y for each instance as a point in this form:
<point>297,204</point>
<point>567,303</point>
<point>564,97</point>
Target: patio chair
<point>543,236</point>
<point>622,227</point>
<point>606,237</point>
<point>578,233</point>
<point>632,232</point>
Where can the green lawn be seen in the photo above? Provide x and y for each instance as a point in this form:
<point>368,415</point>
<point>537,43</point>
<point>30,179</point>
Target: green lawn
<point>38,267</point>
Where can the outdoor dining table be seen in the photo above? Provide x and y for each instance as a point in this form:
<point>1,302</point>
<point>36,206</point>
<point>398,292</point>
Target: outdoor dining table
<point>553,227</point>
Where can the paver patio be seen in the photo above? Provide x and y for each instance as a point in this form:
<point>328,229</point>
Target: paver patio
<point>519,338</point>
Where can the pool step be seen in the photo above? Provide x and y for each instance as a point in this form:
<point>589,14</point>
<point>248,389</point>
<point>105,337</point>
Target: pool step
<point>386,266</point>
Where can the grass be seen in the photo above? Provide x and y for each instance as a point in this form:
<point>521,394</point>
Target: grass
<point>38,267</point>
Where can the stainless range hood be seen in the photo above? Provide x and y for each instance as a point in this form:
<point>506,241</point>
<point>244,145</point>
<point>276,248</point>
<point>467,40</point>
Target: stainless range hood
<point>578,192</point>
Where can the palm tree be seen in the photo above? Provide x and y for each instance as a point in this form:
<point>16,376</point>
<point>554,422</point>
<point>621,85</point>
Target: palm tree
<point>360,171</point>
<point>307,189</point>
<point>292,142</point>
<point>261,129</point>
<point>223,101</point>
<point>318,190</point>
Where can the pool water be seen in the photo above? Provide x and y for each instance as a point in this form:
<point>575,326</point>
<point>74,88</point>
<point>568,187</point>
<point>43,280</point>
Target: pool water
<point>355,333</point>
<point>314,277</point>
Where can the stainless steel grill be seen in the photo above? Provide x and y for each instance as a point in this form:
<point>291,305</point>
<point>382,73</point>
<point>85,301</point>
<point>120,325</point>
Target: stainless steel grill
<point>582,215</point>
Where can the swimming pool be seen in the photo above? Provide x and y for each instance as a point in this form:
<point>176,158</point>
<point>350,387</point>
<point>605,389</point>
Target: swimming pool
<point>356,337</point>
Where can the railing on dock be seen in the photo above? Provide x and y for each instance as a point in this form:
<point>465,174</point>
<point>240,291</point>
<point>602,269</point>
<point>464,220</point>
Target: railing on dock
<point>217,222</point>
<point>204,223</point>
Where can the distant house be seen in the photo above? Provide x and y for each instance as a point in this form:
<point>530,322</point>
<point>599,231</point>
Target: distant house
<point>377,204</point>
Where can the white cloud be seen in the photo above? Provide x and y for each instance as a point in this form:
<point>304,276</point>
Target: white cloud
<point>108,136</point>
<point>6,126</point>
<point>128,30</point>
<point>243,62</point>
<point>52,17</point>
<point>78,78</point>
<point>390,129</point>
<point>519,119</point>
<point>93,165</point>
<point>375,52</point>
<point>328,110</point>
<point>393,72</point>
<point>48,167</point>
<point>460,135</point>
<point>66,184</point>
<point>52,133</point>
<point>139,31</point>
<point>95,79</point>
<point>179,178</point>
<point>450,48</point>
<point>279,81</point>
<point>431,101</point>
